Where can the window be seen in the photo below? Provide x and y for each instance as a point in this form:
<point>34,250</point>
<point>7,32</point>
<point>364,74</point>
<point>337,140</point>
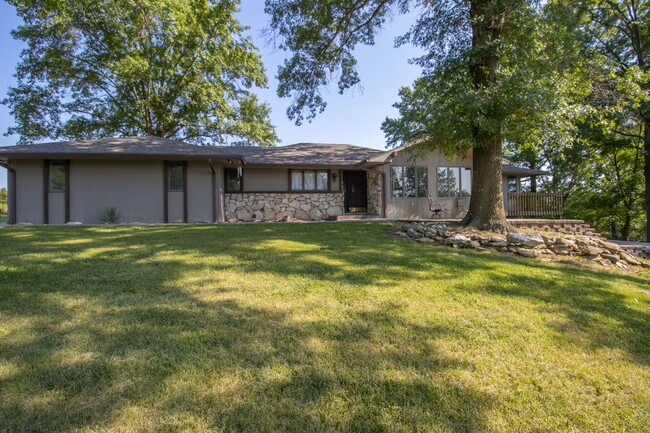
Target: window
<point>409,181</point>
<point>465,182</point>
<point>58,176</point>
<point>176,170</point>
<point>309,180</point>
<point>454,181</point>
<point>234,179</point>
<point>512,184</point>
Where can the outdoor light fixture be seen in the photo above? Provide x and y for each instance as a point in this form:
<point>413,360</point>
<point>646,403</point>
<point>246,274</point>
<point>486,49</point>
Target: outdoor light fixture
<point>334,176</point>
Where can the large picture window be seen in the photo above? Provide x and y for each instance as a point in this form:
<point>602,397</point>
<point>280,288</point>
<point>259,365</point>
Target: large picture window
<point>58,176</point>
<point>234,179</point>
<point>309,180</point>
<point>409,181</point>
<point>454,181</point>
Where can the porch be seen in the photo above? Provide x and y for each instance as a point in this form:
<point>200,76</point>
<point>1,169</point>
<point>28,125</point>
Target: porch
<point>534,204</point>
<point>521,198</point>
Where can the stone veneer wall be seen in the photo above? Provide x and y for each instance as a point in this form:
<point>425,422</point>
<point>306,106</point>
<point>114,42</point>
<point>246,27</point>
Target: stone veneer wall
<point>258,206</point>
<point>375,193</point>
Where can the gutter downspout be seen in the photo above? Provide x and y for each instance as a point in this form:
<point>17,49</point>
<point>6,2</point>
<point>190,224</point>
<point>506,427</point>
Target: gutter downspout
<point>217,197</point>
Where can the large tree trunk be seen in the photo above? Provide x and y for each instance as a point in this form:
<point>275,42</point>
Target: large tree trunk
<point>486,210</point>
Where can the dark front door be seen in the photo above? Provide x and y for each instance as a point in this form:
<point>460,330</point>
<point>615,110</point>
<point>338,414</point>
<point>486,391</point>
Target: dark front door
<point>356,191</point>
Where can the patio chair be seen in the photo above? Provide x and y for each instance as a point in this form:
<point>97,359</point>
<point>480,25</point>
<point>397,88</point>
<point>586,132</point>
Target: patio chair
<point>435,208</point>
<point>463,206</point>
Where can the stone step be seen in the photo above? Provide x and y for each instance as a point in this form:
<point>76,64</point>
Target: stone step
<point>357,216</point>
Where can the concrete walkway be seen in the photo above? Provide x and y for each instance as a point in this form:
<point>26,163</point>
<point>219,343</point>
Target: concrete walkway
<point>640,244</point>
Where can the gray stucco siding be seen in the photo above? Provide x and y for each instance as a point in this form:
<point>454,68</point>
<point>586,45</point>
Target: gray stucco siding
<point>29,190</point>
<point>264,179</point>
<point>134,187</point>
<point>199,191</point>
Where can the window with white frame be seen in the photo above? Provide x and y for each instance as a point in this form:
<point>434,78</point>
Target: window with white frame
<point>309,180</point>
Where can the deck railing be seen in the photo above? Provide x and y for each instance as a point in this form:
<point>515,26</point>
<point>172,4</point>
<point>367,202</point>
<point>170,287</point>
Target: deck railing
<point>534,204</point>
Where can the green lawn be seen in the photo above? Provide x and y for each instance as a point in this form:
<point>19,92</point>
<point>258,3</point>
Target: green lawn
<point>3,218</point>
<point>310,328</point>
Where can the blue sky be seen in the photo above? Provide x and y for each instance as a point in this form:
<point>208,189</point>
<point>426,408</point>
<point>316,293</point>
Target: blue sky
<point>354,117</point>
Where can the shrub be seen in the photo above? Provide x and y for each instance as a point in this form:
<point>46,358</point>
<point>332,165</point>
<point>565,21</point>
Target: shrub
<point>111,215</point>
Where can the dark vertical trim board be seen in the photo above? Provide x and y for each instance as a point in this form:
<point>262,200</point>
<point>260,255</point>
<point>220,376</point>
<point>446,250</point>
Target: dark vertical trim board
<point>185,191</point>
<point>11,202</point>
<point>67,191</point>
<point>46,191</point>
<point>166,191</point>
<point>213,177</point>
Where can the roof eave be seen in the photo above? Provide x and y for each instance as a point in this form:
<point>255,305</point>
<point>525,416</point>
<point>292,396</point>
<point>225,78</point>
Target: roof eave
<point>54,155</point>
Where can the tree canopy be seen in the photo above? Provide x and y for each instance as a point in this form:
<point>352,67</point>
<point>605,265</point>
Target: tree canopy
<point>171,68</point>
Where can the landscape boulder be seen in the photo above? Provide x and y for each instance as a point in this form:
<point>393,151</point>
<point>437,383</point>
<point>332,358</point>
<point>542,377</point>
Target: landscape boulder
<point>530,241</point>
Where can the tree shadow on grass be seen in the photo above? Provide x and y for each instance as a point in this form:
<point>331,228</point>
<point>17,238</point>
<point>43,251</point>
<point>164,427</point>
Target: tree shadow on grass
<point>134,338</point>
<point>85,342</point>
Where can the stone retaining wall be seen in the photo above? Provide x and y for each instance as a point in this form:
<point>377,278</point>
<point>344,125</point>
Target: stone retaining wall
<point>573,227</point>
<point>637,250</point>
<point>257,206</point>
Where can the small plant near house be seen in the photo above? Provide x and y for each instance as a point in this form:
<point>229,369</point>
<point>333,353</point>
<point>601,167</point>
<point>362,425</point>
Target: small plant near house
<point>111,215</point>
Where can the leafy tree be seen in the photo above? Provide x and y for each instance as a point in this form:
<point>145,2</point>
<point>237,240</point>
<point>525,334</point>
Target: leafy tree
<point>3,201</point>
<point>617,37</point>
<point>486,76</point>
<point>171,68</point>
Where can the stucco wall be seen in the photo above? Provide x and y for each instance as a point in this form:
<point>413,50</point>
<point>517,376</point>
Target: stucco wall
<point>199,191</point>
<point>264,179</point>
<point>419,207</point>
<point>56,203</point>
<point>133,187</point>
<point>29,190</point>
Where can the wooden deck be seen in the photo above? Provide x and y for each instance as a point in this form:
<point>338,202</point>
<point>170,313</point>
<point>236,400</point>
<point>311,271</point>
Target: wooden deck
<point>534,204</point>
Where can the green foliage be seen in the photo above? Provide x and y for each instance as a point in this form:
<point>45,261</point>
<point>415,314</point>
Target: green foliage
<point>111,215</point>
<point>528,103</point>
<point>171,68</point>
<point>599,167</point>
<point>3,201</point>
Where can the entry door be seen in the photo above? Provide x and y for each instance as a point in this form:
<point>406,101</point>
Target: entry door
<point>356,191</point>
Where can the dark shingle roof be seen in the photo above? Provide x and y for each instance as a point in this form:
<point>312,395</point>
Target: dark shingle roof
<point>120,147</point>
<point>301,154</point>
<point>313,154</point>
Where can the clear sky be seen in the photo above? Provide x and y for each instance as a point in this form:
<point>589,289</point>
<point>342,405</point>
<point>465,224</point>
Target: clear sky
<point>354,117</point>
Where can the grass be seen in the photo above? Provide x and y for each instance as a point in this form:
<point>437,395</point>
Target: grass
<point>3,218</point>
<point>310,328</point>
